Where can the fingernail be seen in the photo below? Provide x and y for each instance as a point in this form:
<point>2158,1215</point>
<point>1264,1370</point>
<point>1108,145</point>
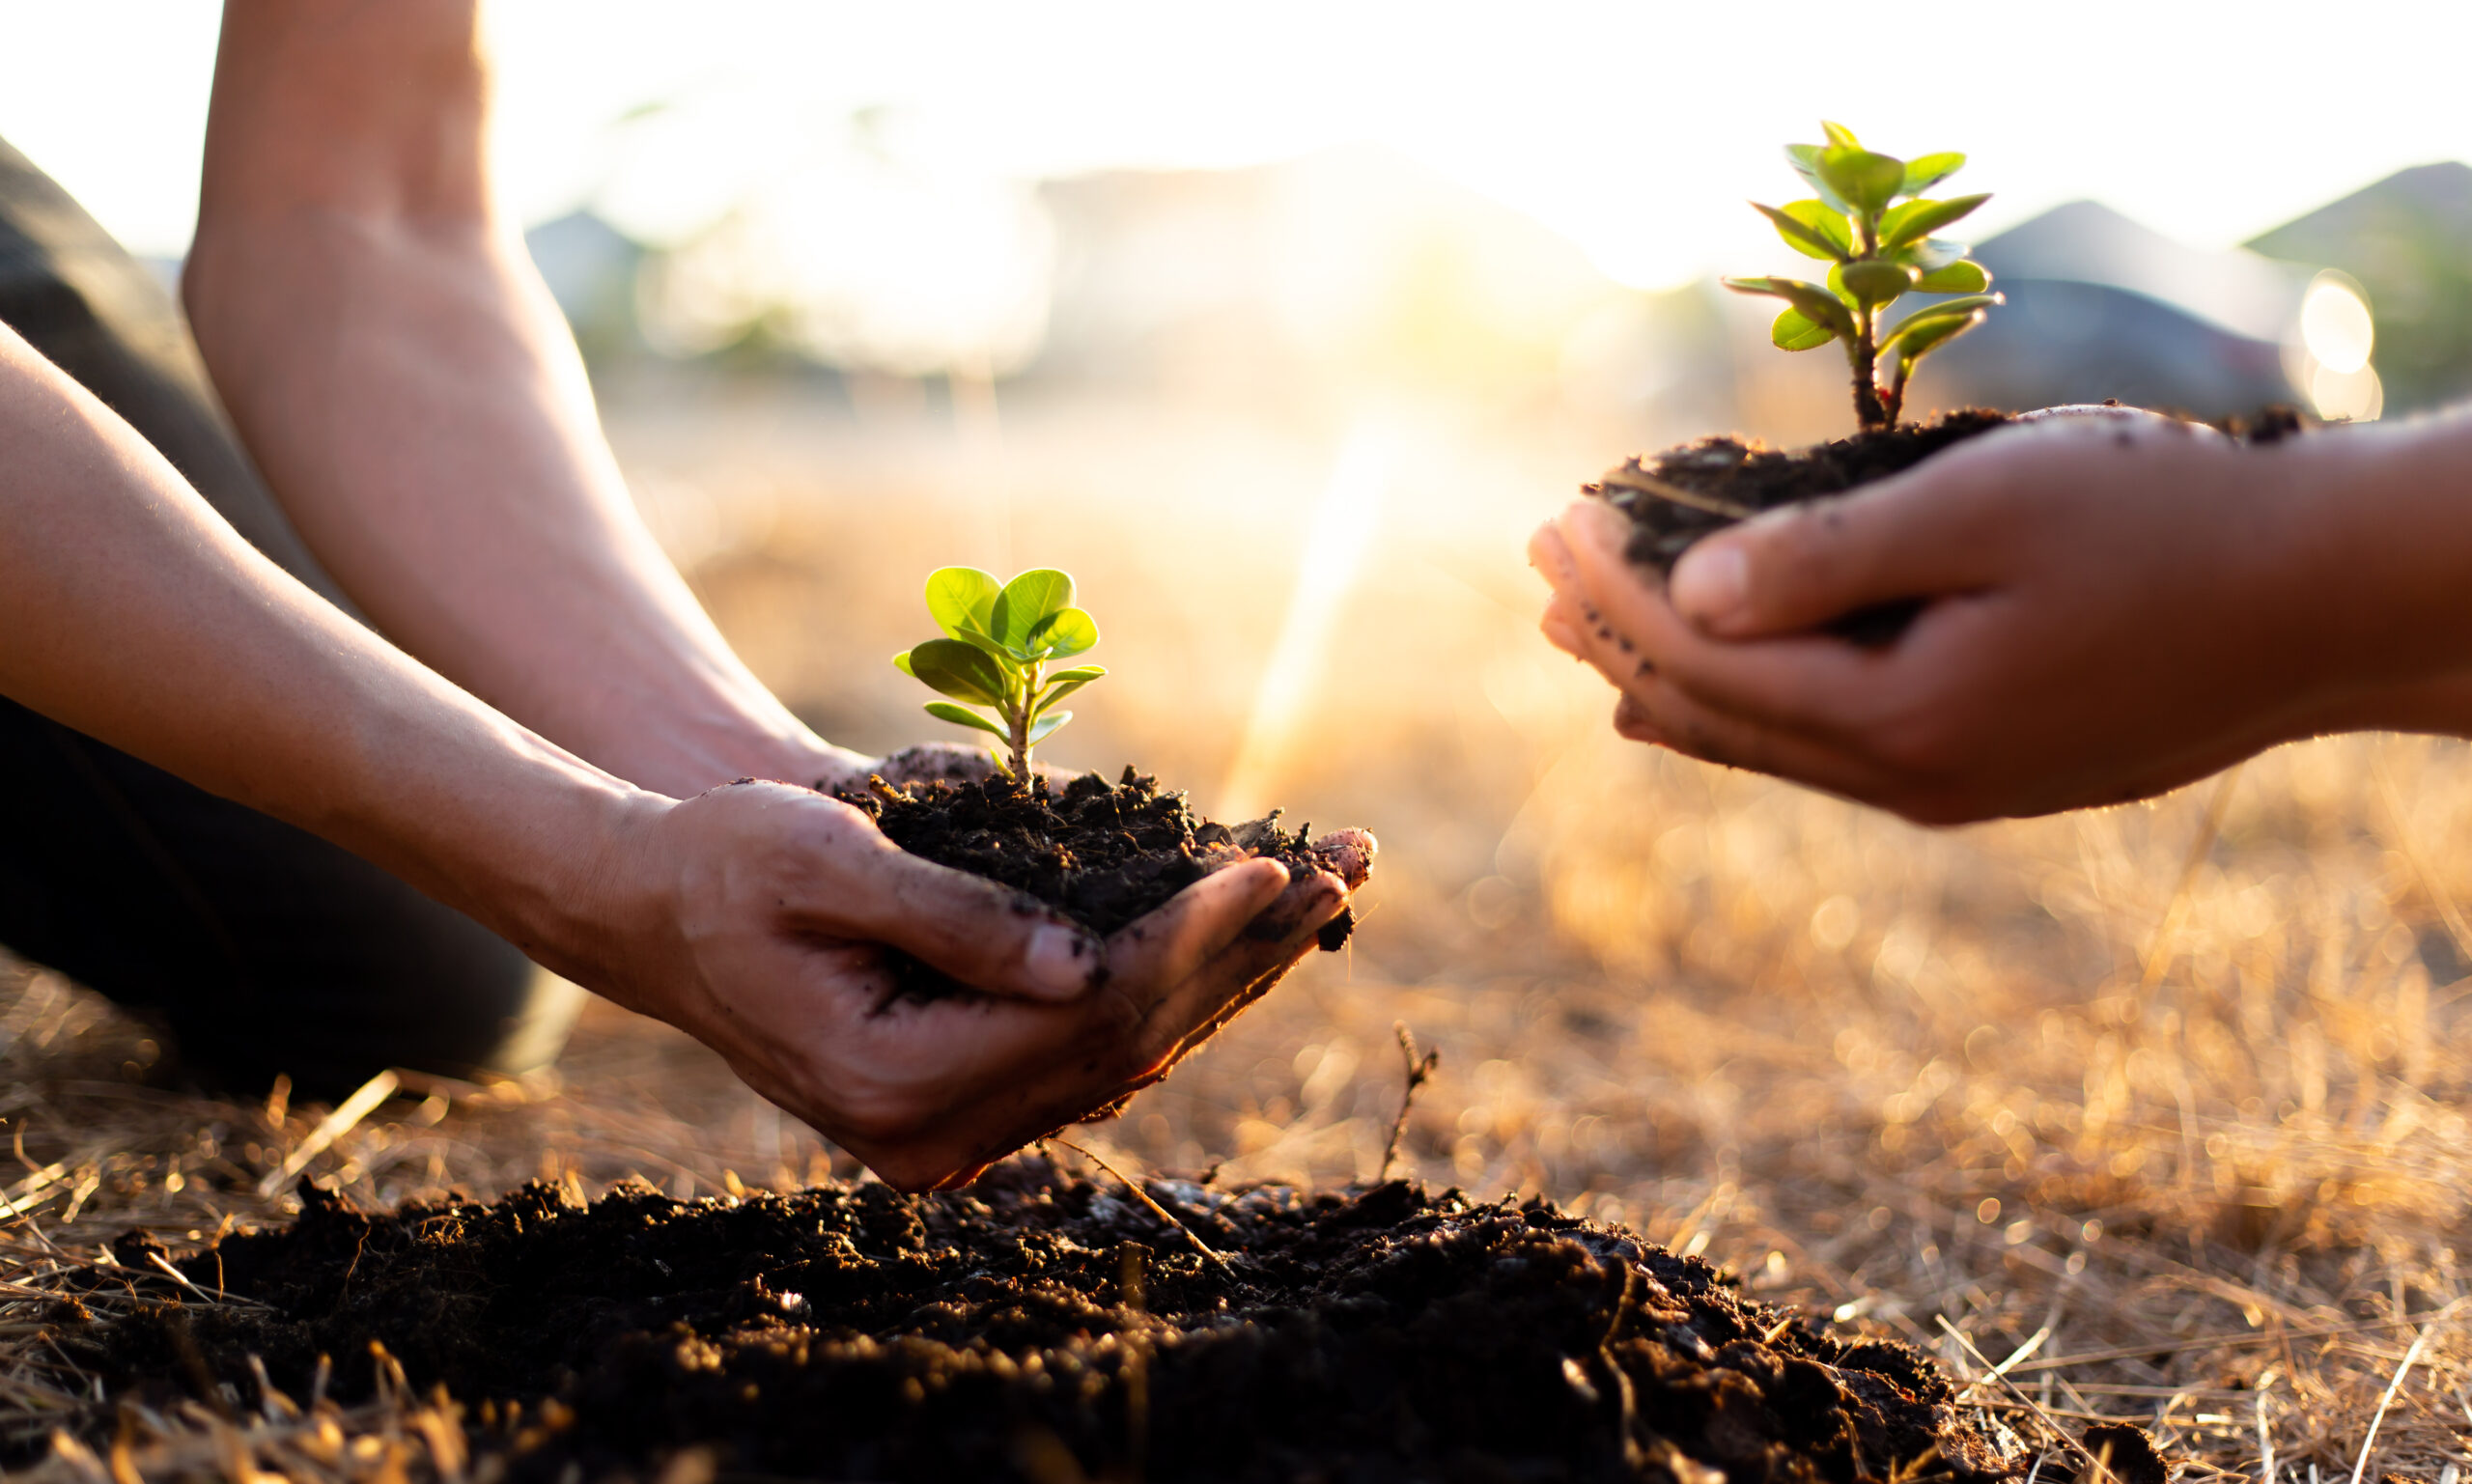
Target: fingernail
<point>1060,959</point>
<point>1711,584</point>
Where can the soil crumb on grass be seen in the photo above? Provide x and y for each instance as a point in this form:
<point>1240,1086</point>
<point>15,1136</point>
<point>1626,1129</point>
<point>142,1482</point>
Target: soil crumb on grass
<point>1036,1321</point>
<point>1103,854</point>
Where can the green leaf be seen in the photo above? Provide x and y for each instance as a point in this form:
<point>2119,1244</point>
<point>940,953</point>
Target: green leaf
<point>1866,182</point>
<point>1946,309</point>
<point>1875,283</point>
<point>1936,331</point>
<point>1920,174</point>
<point>1793,330</point>
<point>959,598</point>
<point>1804,158</point>
<point>1959,277</point>
<point>1067,631</point>
<point>1047,724</point>
<point>961,671</point>
<point>1029,598</point>
<point>963,715</point>
<point>1826,220</point>
<point>1916,221</point>
<point>1931,255</point>
<point>992,646</point>
<point>1803,237</point>
<point>1063,683</point>
<point>1839,135</point>
<point>1816,303</point>
<point>901,662</point>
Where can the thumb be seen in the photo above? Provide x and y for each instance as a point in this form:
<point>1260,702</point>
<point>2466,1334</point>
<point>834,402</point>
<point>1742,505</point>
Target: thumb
<point>842,876</point>
<point>1796,567</point>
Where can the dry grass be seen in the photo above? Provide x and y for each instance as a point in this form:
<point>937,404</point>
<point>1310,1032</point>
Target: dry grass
<point>2164,1105</point>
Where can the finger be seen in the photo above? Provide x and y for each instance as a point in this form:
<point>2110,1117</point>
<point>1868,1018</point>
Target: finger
<point>853,881</point>
<point>1795,568</point>
<point>1039,1071</point>
<point>1632,721</point>
<point>1664,714</point>
<point>1349,853</point>
<point>1630,632</point>
<point>1561,626</point>
<point>1655,710</point>
<point>1551,556</point>
<point>1149,957</point>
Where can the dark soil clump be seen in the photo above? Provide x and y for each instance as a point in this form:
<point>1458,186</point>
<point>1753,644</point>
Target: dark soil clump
<point>1749,476</point>
<point>1038,1322</point>
<point>1734,479</point>
<point>1102,853</point>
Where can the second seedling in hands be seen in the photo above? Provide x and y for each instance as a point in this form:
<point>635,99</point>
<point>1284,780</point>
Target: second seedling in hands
<point>1869,220</point>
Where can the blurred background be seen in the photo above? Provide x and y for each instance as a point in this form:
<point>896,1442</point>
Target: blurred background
<point>1281,326</point>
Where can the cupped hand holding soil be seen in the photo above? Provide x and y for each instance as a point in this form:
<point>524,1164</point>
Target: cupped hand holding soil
<point>761,914</point>
<point>2114,604</point>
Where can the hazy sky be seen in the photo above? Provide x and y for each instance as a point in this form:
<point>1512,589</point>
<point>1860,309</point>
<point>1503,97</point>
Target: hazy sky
<point>1635,128</point>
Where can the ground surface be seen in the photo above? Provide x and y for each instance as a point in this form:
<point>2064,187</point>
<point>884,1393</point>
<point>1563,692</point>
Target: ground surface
<point>2167,1105</point>
<point>1043,1325</point>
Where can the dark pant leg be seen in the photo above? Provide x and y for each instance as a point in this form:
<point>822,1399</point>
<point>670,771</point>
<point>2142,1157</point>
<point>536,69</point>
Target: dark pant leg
<point>266,948</point>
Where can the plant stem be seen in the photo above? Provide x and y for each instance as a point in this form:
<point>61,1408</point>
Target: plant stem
<point>1863,350</point>
<point>1018,716</point>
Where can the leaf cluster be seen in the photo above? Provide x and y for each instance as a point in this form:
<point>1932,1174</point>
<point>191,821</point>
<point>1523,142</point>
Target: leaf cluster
<point>1000,638</point>
<point>1870,221</point>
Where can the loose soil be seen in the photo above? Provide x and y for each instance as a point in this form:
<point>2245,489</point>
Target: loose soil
<point>1103,854</point>
<point>1040,1327</point>
<point>1751,477</point>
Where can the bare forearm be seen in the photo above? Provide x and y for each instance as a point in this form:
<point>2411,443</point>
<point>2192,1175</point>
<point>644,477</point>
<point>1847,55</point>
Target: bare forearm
<point>131,612</point>
<point>2387,582</point>
<point>395,365</point>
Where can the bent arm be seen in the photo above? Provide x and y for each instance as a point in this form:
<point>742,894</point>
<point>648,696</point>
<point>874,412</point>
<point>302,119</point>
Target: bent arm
<point>397,368</point>
<point>129,611</point>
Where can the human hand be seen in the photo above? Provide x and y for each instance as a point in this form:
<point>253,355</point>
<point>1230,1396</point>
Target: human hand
<point>755,917</point>
<point>2116,604</point>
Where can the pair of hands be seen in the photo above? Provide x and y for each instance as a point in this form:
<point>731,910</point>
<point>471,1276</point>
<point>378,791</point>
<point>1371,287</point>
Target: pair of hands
<point>2114,605</point>
<point>759,913</point>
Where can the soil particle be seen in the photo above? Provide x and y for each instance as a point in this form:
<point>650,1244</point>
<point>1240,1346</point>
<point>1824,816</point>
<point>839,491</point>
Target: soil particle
<point>1377,1334</point>
<point>1754,477</point>
<point>1104,855</point>
<point>2127,1451</point>
<point>1734,476</point>
<point>1711,484</point>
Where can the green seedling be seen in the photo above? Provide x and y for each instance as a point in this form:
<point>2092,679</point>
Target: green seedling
<point>1871,223</point>
<point>1000,638</point>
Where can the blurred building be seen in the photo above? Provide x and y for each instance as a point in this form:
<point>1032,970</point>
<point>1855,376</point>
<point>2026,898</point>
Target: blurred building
<point>591,268</point>
<point>2100,306</point>
<point>1351,269</point>
<point>2408,241</point>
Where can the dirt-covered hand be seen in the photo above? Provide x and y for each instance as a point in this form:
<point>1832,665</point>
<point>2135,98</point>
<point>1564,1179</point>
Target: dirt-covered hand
<point>2115,604</point>
<point>755,919</point>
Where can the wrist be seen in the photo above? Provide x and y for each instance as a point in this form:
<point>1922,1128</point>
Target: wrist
<point>2378,591</point>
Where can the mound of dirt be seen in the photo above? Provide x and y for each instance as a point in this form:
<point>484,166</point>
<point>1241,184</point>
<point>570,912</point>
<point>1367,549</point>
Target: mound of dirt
<point>1752,477</point>
<point>1102,853</point>
<point>1039,1327</point>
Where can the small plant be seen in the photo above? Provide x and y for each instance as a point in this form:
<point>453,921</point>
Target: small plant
<point>1881,250</point>
<point>1002,637</point>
